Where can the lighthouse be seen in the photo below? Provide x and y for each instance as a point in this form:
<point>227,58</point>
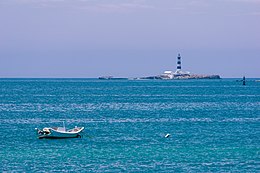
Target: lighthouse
<point>178,72</point>
<point>178,63</point>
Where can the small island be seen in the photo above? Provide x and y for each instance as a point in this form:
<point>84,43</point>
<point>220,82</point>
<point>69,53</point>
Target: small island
<point>179,74</point>
<point>168,75</point>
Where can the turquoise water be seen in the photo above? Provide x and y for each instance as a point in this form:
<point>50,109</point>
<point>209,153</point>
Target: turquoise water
<point>214,125</point>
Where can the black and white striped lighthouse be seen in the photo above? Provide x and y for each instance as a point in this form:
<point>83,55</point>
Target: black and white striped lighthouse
<point>179,62</point>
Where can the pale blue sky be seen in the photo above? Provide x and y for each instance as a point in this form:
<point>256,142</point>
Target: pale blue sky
<point>128,38</point>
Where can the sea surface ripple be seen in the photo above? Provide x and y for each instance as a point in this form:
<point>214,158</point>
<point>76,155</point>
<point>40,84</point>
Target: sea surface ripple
<point>214,125</point>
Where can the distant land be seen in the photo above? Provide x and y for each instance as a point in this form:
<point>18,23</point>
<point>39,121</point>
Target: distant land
<point>170,75</point>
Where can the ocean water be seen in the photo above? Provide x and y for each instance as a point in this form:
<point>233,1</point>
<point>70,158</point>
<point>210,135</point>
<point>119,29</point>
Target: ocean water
<point>214,125</point>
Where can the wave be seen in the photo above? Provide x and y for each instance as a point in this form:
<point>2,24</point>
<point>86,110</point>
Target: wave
<point>124,120</point>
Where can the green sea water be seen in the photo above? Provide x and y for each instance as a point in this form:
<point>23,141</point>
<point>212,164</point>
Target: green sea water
<point>214,125</point>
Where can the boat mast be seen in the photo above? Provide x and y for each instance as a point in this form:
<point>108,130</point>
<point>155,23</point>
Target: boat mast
<point>64,126</point>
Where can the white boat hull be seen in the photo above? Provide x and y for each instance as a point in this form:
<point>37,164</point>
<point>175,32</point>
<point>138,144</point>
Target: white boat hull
<point>53,133</point>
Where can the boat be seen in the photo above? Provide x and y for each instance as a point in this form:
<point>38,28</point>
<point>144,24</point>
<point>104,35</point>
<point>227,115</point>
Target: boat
<point>59,132</point>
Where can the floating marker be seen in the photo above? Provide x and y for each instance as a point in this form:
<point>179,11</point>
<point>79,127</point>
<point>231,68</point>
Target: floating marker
<point>244,80</point>
<point>167,135</point>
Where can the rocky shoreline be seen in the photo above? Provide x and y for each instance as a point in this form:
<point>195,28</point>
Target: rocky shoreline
<point>192,76</point>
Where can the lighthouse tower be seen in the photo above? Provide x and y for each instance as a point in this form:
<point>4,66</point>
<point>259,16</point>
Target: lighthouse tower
<point>178,71</point>
<point>178,63</point>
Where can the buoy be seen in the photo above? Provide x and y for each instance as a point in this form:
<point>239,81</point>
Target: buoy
<point>244,80</point>
<point>167,135</point>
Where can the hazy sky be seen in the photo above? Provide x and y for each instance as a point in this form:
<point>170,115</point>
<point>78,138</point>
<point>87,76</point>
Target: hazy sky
<point>128,38</point>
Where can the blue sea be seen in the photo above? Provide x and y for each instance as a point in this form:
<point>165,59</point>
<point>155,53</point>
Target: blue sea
<point>214,125</point>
